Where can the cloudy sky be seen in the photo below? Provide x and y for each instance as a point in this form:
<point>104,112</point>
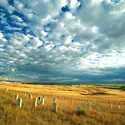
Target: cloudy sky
<point>62,41</point>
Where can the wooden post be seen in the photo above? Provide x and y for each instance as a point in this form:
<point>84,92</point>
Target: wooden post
<point>35,102</point>
<point>19,102</point>
<point>16,97</point>
<point>55,107</point>
<point>43,100</point>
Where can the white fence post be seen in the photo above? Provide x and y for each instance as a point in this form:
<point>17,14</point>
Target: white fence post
<point>55,107</point>
<point>19,102</point>
<point>42,100</point>
<point>35,102</point>
<point>16,97</point>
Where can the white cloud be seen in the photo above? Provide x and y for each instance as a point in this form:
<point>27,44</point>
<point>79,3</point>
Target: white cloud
<point>87,38</point>
<point>17,18</point>
<point>2,39</point>
<point>1,35</point>
<point>3,2</point>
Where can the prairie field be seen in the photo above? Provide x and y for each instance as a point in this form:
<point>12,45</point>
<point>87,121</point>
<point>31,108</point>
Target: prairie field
<point>76,104</point>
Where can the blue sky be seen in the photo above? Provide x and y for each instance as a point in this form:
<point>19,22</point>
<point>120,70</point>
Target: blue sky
<point>62,41</point>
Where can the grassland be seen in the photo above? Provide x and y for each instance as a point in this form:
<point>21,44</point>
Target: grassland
<point>68,98</point>
<point>114,86</point>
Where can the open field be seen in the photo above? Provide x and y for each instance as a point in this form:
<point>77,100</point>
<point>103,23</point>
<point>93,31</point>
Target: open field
<point>99,104</point>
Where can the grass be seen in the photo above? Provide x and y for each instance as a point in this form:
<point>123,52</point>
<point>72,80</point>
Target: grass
<point>114,86</point>
<point>11,114</point>
<point>117,87</point>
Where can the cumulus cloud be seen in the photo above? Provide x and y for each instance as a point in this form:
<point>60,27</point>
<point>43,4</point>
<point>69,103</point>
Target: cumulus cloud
<point>62,40</point>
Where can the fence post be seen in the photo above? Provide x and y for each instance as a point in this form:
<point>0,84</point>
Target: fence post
<point>19,102</point>
<point>55,107</point>
<point>35,102</point>
<point>16,97</point>
<point>42,100</point>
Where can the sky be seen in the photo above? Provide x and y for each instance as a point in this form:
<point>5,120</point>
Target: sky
<point>62,41</point>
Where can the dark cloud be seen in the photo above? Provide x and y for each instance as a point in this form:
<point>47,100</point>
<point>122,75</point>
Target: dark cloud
<point>61,41</point>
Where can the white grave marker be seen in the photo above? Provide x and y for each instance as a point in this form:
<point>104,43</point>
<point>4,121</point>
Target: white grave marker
<point>19,102</point>
<point>35,102</point>
<point>55,107</point>
<point>16,97</point>
<point>43,100</point>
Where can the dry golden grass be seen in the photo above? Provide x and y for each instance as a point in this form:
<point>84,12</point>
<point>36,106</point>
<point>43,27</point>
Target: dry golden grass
<point>68,98</point>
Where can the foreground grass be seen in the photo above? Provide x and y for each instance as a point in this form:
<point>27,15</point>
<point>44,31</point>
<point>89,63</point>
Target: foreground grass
<point>11,114</point>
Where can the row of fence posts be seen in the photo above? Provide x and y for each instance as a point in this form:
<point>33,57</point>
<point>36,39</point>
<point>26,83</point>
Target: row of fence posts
<point>55,105</point>
<point>35,100</point>
<point>98,109</point>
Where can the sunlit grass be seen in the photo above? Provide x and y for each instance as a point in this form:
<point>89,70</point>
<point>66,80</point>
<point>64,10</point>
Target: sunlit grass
<point>11,114</point>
